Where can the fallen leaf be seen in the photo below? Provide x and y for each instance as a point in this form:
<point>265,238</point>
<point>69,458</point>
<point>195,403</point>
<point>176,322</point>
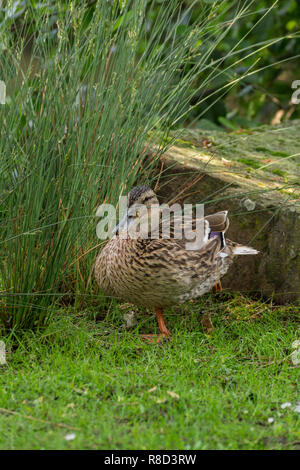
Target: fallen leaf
<point>206,143</point>
<point>172,394</point>
<point>152,389</point>
<point>297,407</point>
<point>83,391</point>
<point>161,400</point>
<point>277,117</point>
<point>38,400</point>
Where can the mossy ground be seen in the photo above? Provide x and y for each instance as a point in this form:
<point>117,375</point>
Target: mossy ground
<point>272,151</point>
<point>87,377</point>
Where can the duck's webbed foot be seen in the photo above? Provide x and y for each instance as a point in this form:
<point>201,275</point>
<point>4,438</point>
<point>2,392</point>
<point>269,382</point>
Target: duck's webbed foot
<point>164,332</point>
<point>154,339</point>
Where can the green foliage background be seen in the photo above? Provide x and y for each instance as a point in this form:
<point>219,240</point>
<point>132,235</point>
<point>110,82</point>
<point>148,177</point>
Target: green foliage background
<point>255,99</point>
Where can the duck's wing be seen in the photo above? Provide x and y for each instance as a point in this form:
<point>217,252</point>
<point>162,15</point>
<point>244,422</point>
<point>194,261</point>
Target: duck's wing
<point>173,254</point>
<point>195,234</point>
<point>185,248</point>
<point>190,233</point>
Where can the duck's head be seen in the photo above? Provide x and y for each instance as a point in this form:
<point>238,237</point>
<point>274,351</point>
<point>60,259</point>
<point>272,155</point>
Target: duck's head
<point>143,196</point>
<point>141,200</point>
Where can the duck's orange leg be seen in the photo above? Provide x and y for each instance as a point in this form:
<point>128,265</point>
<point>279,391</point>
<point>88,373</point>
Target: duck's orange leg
<point>217,287</point>
<point>164,332</point>
<point>161,322</point>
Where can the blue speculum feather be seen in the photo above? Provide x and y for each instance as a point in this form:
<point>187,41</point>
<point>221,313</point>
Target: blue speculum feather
<point>221,236</point>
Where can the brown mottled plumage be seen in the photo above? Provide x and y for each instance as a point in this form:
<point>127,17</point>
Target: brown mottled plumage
<point>158,273</point>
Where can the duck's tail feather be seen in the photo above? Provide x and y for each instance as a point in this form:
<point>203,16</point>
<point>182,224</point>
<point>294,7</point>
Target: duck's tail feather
<point>244,250</point>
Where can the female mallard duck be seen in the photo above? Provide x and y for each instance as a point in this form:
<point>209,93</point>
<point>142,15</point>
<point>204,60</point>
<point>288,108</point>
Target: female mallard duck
<point>158,272</point>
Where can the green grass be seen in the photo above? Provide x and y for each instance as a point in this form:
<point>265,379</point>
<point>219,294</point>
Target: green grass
<point>196,392</point>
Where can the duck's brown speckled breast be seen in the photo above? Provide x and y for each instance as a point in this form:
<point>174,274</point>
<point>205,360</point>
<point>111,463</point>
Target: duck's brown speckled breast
<point>156,273</point>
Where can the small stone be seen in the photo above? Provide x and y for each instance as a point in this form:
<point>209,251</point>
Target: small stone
<point>250,205</point>
<point>130,320</point>
<point>295,357</point>
<point>70,437</point>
